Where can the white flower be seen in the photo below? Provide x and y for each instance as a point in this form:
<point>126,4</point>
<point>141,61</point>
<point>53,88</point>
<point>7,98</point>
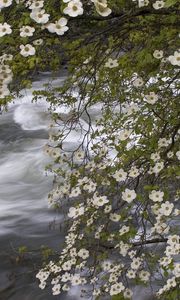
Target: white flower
<point>42,285</point>
<point>55,280</point>
<point>166,208</point>
<point>138,82</point>
<point>4,91</point>
<point>151,98</point>
<point>158,167</point>
<point>144,275</point>
<point>127,294</point>
<point>165,261</point>
<point>101,8</point>
<point>171,282</point>
<point>56,289</point>
<point>66,277</point>
<point>173,239</point>
<point>5,3</point>
<point>5,78</point>
<point>156,196</point>
<point>65,287</point>
<point>116,288</point>
<point>27,50</point>
<point>26,31</point>
<point>172,250</point>
<point>124,229</point>
<point>131,108</point>
<point>83,253</point>
<point>158,54</point>
<point>136,263</point>
<point>66,266</point>
<point>120,175</point>
<point>5,69</point>
<point>158,4</point>
<point>113,278</point>
<point>75,279</point>
<point>5,29</point>
<point>76,212</point>
<point>134,172</point>
<point>115,217</point>
<point>176,271</point>
<point>99,200</point>
<point>178,154</point>
<point>75,192</point>
<point>175,59</point>
<point>59,27</point>
<point>155,156</point>
<point>124,134</point>
<point>131,274</point>
<point>39,16</point>
<point>170,154</point>
<point>107,209</point>
<point>106,265</point>
<point>128,195</point>
<point>160,228</point>
<point>111,63</point>
<point>74,8</point>
<point>90,187</point>
<point>142,3</point>
<point>38,42</point>
<point>36,4</point>
<point>163,142</point>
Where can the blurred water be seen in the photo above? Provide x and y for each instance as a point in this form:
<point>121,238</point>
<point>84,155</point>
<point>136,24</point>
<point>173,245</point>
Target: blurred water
<point>25,218</point>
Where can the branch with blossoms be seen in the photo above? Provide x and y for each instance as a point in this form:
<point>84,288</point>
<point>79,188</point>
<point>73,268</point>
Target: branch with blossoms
<point>118,184</point>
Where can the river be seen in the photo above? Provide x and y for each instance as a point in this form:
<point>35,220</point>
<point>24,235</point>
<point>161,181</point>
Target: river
<point>25,219</point>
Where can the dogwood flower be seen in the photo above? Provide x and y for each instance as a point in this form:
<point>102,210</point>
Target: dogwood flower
<point>163,142</point>
<point>111,63</point>
<point>27,50</point>
<point>124,134</point>
<point>26,31</point>
<point>155,156</point>
<point>36,4</point>
<point>56,290</point>
<point>142,3</point>
<point>128,195</point>
<point>59,27</point>
<point>138,82</point>
<point>156,196</point>
<point>116,288</point>
<point>151,98</point>
<point>144,275</point>
<point>5,29</point>
<point>166,208</point>
<point>127,294</point>
<point>158,54</point>
<point>74,8</point>
<point>38,42</point>
<point>178,154</point>
<point>75,212</point>
<point>5,3</point>
<point>158,4</point>
<point>120,175</point>
<point>39,16</point>
<point>83,253</point>
<point>175,59</point>
<point>133,172</point>
<point>101,8</point>
<point>99,200</point>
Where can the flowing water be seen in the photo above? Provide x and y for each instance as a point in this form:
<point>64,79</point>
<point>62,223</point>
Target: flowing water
<point>25,219</point>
